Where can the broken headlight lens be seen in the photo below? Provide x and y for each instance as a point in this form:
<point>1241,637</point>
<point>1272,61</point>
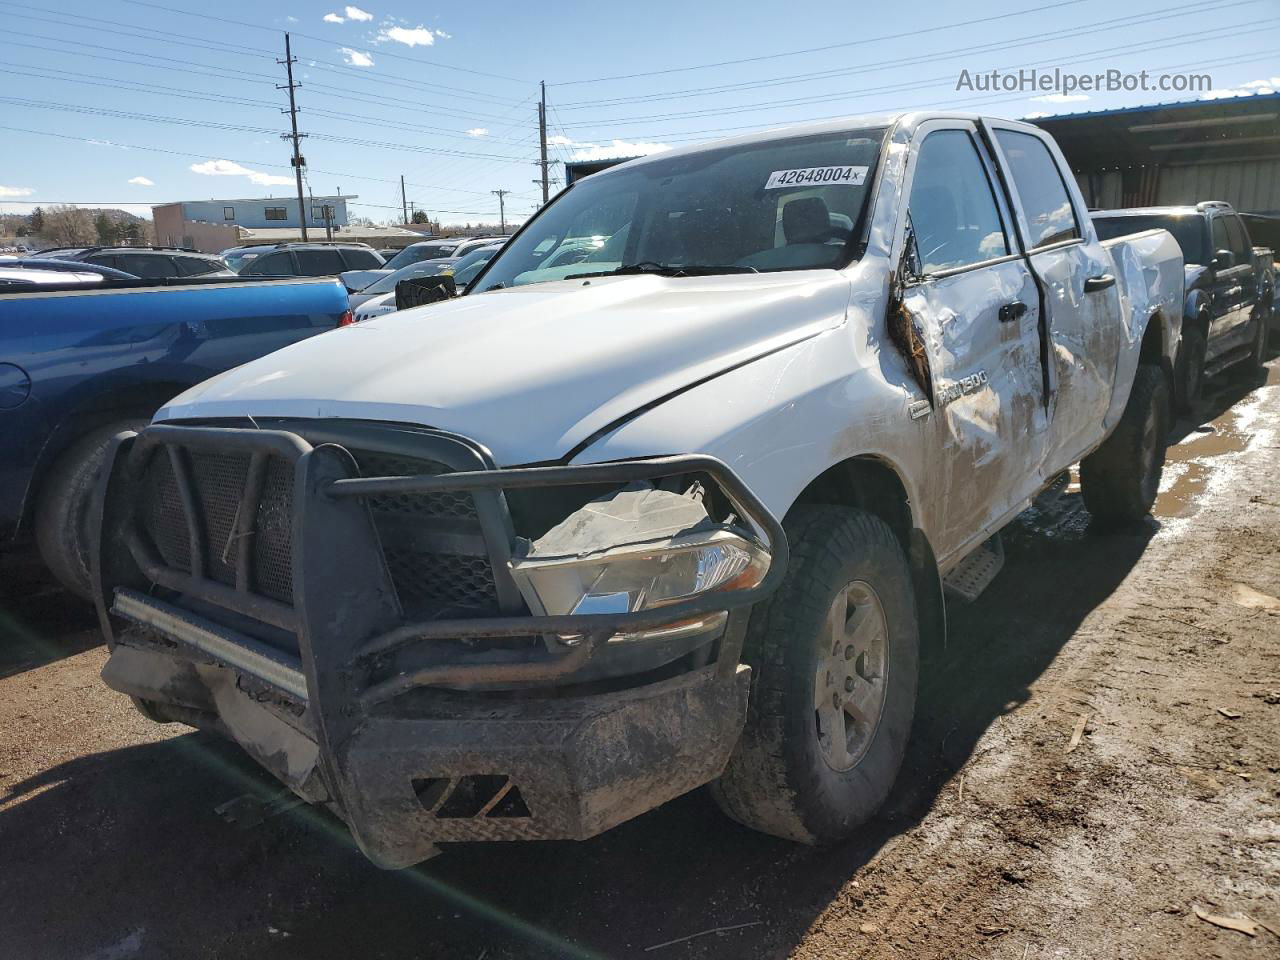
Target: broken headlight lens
<point>636,549</point>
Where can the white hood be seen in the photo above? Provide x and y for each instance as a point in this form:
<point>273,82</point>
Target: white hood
<point>531,371</point>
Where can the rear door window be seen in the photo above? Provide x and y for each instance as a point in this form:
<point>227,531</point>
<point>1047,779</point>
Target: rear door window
<point>147,266</point>
<point>953,207</point>
<point>358,259</point>
<point>319,263</point>
<point>278,264</point>
<point>196,266</point>
<point>1046,204</point>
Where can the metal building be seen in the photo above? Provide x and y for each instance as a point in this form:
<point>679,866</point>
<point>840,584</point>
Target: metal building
<point>1175,153</point>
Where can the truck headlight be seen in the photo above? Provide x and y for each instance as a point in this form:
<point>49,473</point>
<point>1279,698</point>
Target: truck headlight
<point>636,549</point>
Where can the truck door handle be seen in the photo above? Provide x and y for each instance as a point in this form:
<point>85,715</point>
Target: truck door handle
<point>1100,282</point>
<point>1010,312</point>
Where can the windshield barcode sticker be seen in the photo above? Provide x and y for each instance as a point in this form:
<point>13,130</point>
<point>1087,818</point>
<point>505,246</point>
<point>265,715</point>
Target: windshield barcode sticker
<point>817,177</point>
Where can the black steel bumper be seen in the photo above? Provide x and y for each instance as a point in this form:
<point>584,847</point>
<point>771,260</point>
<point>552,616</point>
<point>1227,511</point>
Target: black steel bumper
<point>414,733</point>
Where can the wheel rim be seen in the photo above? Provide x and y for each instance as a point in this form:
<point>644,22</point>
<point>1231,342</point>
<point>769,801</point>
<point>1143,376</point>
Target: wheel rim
<point>852,675</point>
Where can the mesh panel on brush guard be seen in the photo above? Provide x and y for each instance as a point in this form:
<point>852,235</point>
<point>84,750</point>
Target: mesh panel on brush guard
<point>425,582</point>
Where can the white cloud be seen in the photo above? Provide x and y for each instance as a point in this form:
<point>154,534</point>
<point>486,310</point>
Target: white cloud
<point>142,182</point>
<point>229,168</point>
<point>606,151</point>
<point>16,191</point>
<point>444,36</point>
<point>355,58</point>
<point>1248,89</point>
<point>418,36</point>
<point>333,18</point>
<point>355,13</point>
<point>1061,98</point>
<point>478,132</point>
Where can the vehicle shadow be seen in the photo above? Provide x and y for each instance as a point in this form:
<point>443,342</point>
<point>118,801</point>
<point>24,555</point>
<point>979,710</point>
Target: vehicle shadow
<point>120,854</point>
<point>39,621</point>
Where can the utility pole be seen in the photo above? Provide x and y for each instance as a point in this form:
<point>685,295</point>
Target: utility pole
<point>298,161</point>
<point>542,138</point>
<point>404,204</point>
<point>502,210</point>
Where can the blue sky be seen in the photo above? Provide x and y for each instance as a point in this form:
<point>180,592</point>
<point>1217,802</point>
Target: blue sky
<point>153,101</point>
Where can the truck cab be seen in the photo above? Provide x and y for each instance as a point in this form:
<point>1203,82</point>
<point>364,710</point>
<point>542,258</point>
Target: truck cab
<point>528,562</point>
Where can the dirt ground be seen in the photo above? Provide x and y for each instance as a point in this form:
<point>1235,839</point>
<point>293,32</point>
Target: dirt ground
<point>1096,758</point>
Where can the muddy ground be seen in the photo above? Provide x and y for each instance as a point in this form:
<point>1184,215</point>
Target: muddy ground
<point>1007,837</point>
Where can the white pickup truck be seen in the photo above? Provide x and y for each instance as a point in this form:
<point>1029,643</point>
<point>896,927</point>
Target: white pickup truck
<point>529,562</point>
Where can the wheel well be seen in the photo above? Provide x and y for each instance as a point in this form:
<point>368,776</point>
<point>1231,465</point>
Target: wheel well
<point>90,412</point>
<point>1152,350</point>
<point>873,485</point>
<point>869,484</point>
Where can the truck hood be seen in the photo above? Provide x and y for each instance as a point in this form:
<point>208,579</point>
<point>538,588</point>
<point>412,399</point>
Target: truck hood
<point>532,371</point>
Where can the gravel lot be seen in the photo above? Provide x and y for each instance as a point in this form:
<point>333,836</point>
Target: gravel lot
<point>1159,651</point>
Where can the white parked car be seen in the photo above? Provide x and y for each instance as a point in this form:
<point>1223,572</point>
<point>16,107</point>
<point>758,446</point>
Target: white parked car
<point>530,562</point>
<point>437,249</point>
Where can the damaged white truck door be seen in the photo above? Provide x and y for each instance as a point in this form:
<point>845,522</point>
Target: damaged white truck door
<point>1080,295</point>
<point>973,297</point>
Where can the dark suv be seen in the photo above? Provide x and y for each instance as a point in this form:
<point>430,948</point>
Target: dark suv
<point>149,263</point>
<point>312,260</point>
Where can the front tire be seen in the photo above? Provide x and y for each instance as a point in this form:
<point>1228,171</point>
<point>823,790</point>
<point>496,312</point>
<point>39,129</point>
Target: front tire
<point>1119,481</point>
<point>62,511</point>
<point>1191,369</point>
<point>835,657</point>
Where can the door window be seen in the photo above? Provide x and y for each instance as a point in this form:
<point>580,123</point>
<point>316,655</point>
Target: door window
<point>147,266</point>
<point>320,263</point>
<point>1220,241</point>
<point>358,259</point>
<point>278,264</point>
<point>196,266</point>
<point>1239,240</point>
<point>1046,205</point>
<point>952,207</point>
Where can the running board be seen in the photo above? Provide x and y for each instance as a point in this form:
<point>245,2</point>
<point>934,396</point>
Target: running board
<point>976,571</point>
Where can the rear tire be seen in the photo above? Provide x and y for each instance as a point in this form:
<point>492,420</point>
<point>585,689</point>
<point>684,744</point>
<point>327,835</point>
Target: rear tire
<point>62,511</point>
<point>1253,366</point>
<point>836,647</point>
<point>1119,481</point>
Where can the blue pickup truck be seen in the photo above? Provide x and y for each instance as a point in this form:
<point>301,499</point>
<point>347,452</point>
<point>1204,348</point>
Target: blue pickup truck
<point>80,363</point>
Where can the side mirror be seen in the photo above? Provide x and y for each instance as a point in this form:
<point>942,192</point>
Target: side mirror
<point>1223,259</point>
<point>418,291</point>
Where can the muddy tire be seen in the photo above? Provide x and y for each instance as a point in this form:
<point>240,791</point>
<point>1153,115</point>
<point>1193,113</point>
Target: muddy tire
<point>62,510</point>
<point>1190,373</point>
<point>835,656</point>
<point>1119,481</point>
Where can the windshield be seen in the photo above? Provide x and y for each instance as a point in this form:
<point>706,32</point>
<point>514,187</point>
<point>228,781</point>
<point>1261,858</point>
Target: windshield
<point>1187,229</point>
<point>426,268</point>
<point>790,204</point>
<point>422,251</point>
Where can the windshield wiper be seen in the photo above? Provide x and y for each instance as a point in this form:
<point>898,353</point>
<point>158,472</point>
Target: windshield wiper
<point>666,270</point>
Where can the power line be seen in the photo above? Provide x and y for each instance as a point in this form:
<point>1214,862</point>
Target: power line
<point>1104,26</point>
<point>208,124</point>
<point>914,32</point>
<point>702,135</point>
<point>863,67</point>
